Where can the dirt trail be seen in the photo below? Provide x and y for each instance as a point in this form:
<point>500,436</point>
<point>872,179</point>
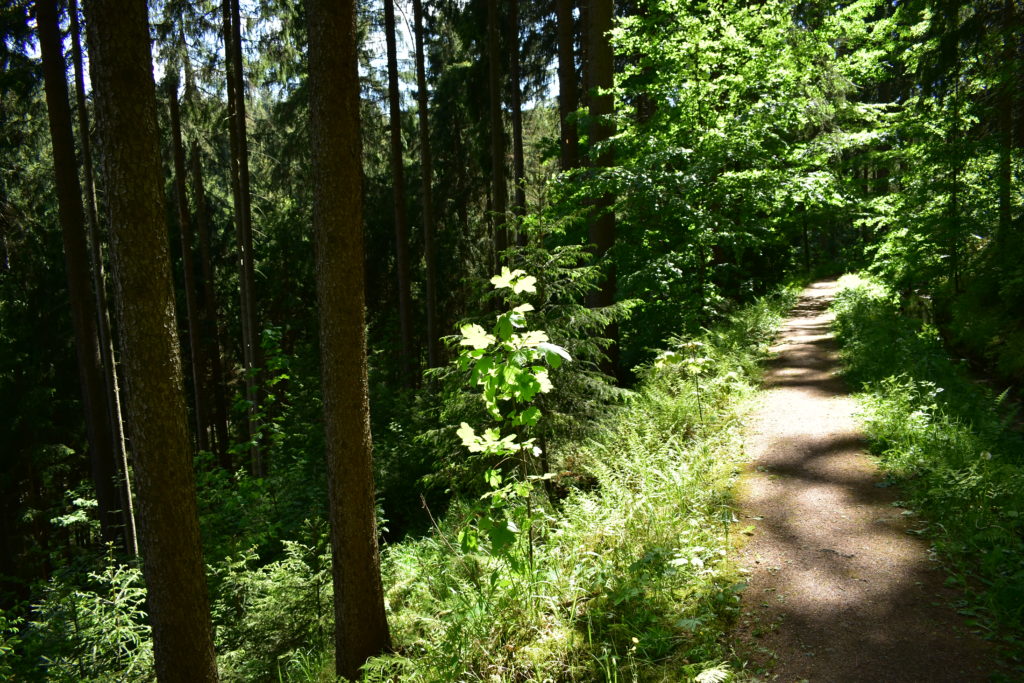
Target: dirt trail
<point>838,590</point>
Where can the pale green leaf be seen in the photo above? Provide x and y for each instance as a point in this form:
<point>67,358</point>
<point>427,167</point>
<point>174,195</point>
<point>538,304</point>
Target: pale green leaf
<point>525,284</point>
<point>545,383</point>
<point>475,336</point>
<point>506,278</point>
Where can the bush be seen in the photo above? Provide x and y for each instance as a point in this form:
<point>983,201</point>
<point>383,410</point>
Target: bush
<point>948,440</point>
<point>629,578</point>
<point>92,632</point>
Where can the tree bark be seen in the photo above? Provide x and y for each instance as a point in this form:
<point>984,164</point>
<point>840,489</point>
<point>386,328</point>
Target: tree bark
<point>434,356</point>
<point>568,101</point>
<point>195,342</point>
<point>361,628</point>
<point>107,357</point>
<point>125,97</point>
<point>1004,105</point>
<point>599,69</point>
<point>518,163</point>
<point>211,329</point>
<point>76,261</point>
<point>584,38</point>
<point>243,221</point>
<point>499,191</point>
<point>401,220</point>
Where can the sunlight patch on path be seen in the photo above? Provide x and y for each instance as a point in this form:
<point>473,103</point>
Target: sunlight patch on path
<point>838,590</point>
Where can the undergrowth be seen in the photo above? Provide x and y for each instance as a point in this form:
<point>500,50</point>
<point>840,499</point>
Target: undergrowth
<point>629,578</point>
<point>947,440</point>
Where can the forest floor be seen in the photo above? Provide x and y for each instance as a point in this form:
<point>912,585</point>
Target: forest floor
<point>838,590</point>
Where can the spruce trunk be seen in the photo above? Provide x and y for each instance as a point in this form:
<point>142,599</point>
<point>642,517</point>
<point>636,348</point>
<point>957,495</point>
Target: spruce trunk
<point>76,261</point>
<point>568,101</point>
<point>243,223</point>
<point>211,328</point>
<point>195,343</point>
<point>361,628</point>
<point>434,357</point>
<point>599,70</point>
<point>499,191</point>
<point>177,601</point>
<point>518,162</point>
<point>408,361</point>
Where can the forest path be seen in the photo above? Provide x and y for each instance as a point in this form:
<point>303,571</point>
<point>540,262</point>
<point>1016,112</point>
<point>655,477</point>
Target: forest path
<point>838,590</point>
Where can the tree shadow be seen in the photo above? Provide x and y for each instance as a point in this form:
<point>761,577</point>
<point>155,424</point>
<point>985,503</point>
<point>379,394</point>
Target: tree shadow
<point>839,590</point>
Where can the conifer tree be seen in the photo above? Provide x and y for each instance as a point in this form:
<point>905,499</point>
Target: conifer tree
<point>126,113</point>
<point>427,189</point>
<point>76,260</point>
<point>398,193</point>
<point>361,628</point>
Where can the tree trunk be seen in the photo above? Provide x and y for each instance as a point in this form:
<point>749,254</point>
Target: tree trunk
<point>953,207</point>
<point>806,238</point>
<point>584,38</point>
<point>361,628</point>
<point>243,221</point>
<point>434,358</point>
<point>567,84</point>
<point>113,392</point>
<point>76,261</point>
<point>195,342</point>
<point>211,329</point>
<point>158,424</point>
<point>398,183</point>
<point>499,191</point>
<point>518,163</point>
<point>602,225</point>
<point>1005,115</point>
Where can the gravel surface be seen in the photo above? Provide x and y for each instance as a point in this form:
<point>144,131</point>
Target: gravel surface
<point>838,589</point>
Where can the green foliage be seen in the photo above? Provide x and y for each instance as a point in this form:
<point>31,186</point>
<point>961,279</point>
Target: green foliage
<point>752,141</point>
<point>41,427</point>
<point>628,579</point>
<point>733,121</point>
<point>947,439</point>
<point>96,631</point>
<point>10,645</point>
<point>507,366</point>
<point>941,175</point>
<point>270,616</point>
<point>239,510</point>
<point>576,393</point>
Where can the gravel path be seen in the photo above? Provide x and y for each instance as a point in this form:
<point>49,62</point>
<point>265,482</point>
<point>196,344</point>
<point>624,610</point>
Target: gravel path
<point>838,590</point>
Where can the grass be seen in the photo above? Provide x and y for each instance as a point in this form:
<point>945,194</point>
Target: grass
<point>630,579</point>
<point>947,440</point>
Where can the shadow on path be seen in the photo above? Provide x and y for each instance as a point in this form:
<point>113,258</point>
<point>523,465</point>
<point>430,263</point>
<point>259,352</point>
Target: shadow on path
<point>838,589</point>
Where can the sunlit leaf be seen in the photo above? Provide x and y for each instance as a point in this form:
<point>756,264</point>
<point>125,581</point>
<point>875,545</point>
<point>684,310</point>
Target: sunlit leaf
<point>545,383</point>
<point>525,284</point>
<point>506,278</point>
<point>475,336</point>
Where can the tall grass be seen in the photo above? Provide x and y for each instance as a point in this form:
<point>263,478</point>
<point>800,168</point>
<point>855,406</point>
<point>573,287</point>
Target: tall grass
<point>630,578</point>
<point>947,440</point>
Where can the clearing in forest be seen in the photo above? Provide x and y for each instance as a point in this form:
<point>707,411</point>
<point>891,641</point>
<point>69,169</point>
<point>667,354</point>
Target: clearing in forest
<point>838,589</point>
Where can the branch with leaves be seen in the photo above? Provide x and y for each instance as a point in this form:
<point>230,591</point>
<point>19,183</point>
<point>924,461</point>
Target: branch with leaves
<point>510,364</point>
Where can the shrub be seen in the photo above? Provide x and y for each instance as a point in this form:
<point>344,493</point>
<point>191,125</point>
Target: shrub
<point>947,439</point>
